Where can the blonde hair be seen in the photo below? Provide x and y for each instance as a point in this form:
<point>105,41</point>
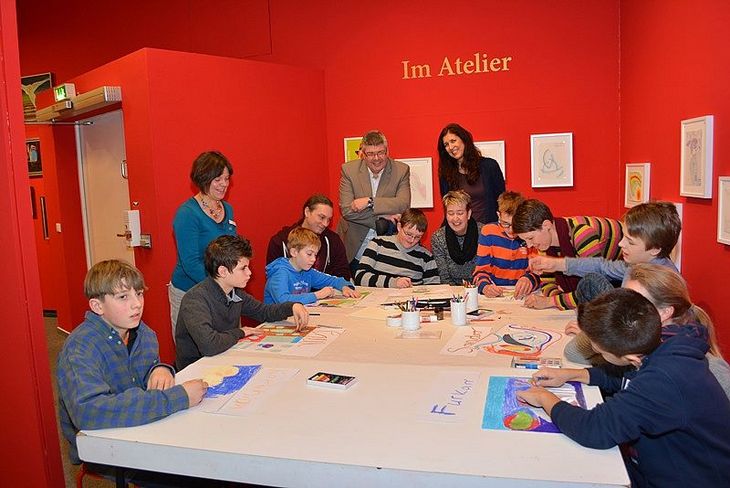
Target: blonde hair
<point>457,197</point>
<point>667,288</point>
<point>508,202</point>
<point>299,238</point>
<point>110,277</point>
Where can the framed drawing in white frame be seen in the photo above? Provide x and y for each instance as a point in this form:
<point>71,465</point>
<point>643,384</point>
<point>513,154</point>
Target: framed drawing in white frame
<point>696,164</point>
<point>636,189</point>
<point>494,150</point>
<point>352,148</point>
<point>723,210</point>
<point>421,181</point>
<point>552,159</point>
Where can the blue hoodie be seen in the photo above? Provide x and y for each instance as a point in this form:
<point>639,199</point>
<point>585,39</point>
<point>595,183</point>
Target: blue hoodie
<point>671,414</point>
<point>285,284</point>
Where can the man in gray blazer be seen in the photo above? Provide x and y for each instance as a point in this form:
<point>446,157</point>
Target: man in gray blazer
<point>371,188</point>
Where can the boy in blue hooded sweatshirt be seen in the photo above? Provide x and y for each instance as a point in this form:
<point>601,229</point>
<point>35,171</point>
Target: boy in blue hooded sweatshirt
<point>669,413</point>
<point>293,279</point>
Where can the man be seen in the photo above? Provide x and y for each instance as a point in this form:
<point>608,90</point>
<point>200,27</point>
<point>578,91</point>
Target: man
<point>371,188</point>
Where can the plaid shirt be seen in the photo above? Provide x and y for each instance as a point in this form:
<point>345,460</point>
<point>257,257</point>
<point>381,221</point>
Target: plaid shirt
<point>102,385</point>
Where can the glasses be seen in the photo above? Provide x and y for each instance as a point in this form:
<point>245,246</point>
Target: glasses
<point>504,224</point>
<point>373,155</point>
<point>412,237</point>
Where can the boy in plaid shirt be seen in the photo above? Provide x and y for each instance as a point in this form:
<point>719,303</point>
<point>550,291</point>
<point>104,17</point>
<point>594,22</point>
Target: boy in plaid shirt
<point>109,372</point>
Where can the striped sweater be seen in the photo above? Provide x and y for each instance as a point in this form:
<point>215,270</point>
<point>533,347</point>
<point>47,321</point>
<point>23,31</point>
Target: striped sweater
<point>386,260</point>
<point>501,260</point>
<point>581,237</point>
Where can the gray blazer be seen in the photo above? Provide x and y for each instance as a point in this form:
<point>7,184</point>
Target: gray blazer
<point>393,197</point>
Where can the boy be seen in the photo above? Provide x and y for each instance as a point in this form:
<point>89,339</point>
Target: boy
<point>650,232</point>
<point>109,372</point>
<point>292,279</point>
<point>399,261</point>
<point>534,223</point>
<point>209,322</point>
<point>502,258</point>
<point>670,413</point>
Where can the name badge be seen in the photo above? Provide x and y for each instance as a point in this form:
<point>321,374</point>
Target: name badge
<point>232,222</point>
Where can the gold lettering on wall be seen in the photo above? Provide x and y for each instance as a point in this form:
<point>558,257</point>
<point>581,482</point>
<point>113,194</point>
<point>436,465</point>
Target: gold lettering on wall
<point>478,63</point>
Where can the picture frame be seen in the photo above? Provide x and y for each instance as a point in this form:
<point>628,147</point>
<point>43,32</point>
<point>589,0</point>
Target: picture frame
<point>30,87</point>
<point>636,186</point>
<point>33,157</point>
<point>421,181</point>
<point>494,150</point>
<point>723,210</point>
<point>696,157</point>
<point>352,148</point>
<point>551,160</point>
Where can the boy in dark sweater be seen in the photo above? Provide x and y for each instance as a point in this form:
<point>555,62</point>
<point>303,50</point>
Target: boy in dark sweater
<point>209,322</point>
<point>670,413</point>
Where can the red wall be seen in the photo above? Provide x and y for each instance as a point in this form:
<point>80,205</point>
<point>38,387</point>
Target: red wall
<point>267,119</point>
<point>31,455</point>
<point>675,65</point>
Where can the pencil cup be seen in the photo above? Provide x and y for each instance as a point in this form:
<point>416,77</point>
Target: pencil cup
<point>393,321</point>
<point>472,299</point>
<point>458,313</point>
<point>411,320</point>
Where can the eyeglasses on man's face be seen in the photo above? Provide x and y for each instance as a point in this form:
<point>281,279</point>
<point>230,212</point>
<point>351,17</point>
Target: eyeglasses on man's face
<point>504,224</point>
<point>411,236</point>
<point>375,154</point>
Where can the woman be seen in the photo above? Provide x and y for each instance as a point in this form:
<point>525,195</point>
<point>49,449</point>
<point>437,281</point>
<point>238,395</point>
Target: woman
<point>331,258</point>
<point>454,245</point>
<point>198,221</point>
<point>462,167</point>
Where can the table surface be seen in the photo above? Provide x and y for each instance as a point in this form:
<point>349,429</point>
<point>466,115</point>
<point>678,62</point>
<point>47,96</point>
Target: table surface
<point>373,434</point>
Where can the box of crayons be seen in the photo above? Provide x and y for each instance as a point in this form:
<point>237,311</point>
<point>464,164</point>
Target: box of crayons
<point>536,363</point>
<point>331,380</point>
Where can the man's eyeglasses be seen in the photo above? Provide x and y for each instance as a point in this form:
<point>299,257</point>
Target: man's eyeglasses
<point>373,155</point>
<point>504,224</point>
<point>413,237</point>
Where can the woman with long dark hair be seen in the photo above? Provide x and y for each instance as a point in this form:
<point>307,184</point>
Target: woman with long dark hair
<point>462,167</point>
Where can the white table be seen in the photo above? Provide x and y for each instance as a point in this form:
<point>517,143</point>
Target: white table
<point>369,435</point>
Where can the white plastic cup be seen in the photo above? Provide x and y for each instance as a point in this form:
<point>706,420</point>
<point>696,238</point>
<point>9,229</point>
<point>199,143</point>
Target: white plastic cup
<point>411,320</point>
<point>472,299</point>
<point>394,321</point>
<point>458,313</point>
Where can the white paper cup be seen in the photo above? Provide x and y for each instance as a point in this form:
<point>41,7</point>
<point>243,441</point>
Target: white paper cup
<point>472,299</point>
<point>411,320</point>
<point>458,313</point>
<point>393,321</point>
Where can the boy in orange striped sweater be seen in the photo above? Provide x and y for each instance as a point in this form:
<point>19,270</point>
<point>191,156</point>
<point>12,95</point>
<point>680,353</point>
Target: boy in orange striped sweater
<point>502,258</point>
<point>580,237</point>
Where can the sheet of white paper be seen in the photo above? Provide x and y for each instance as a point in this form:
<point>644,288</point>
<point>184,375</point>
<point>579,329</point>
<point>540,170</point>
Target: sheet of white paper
<point>375,313</point>
<point>250,399</point>
<point>418,334</point>
<point>450,393</point>
<point>314,342</point>
<point>465,341</point>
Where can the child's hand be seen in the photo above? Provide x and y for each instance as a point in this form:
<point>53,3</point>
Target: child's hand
<point>572,328</point>
<point>348,292</point>
<point>161,378</point>
<point>523,287</point>
<point>403,282</point>
<point>546,264</point>
<point>492,291</point>
<point>301,316</point>
<point>325,292</point>
<point>558,376</point>
<point>538,302</point>
<point>196,391</point>
<point>249,331</point>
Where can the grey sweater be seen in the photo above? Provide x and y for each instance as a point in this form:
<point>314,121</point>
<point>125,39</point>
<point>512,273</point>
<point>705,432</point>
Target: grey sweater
<point>209,322</point>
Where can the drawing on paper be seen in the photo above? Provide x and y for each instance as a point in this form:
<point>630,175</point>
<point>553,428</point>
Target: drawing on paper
<point>520,340</point>
<point>552,159</point>
<point>276,338</point>
<point>503,411</point>
<point>550,166</point>
<point>224,380</point>
<point>636,190</point>
<point>341,302</point>
<point>352,148</point>
<point>693,155</point>
<point>421,181</point>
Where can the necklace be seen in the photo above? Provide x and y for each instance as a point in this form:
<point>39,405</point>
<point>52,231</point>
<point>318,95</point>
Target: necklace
<point>216,213</point>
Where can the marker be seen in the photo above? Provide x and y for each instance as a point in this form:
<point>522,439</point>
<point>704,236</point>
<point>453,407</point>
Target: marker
<point>314,314</point>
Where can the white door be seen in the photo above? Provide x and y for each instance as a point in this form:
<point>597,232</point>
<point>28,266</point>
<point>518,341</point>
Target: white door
<point>104,188</point>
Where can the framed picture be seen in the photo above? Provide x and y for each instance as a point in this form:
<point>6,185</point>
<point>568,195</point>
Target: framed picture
<point>494,150</point>
<point>33,155</point>
<point>352,148</point>
<point>696,173</point>
<point>421,181</point>
<point>31,86</point>
<point>552,160</point>
<point>676,254</point>
<point>723,210</point>
<point>637,184</point>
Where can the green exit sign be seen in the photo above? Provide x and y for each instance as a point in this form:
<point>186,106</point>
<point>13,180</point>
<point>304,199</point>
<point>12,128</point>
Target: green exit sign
<point>64,92</point>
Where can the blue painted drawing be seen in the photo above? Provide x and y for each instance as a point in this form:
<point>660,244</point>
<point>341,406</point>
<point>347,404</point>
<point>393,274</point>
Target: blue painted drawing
<point>225,381</point>
<point>502,410</point>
